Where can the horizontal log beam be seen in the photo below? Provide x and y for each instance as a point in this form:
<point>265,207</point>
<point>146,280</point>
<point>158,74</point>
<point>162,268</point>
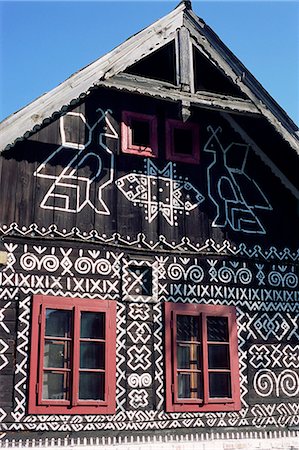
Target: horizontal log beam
<point>166,91</point>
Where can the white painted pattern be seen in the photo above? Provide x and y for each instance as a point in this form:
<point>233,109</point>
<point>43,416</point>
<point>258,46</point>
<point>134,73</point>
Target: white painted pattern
<point>268,383</point>
<point>134,284</point>
<point>139,357</point>
<point>70,191</point>
<point>138,398</point>
<point>143,380</point>
<point>139,332</point>
<point>281,276</point>
<point>228,191</point>
<point>160,192</point>
<point>3,359</point>
<point>21,365</point>
<point>274,356</point>
<point>224,248</point>
<point>139,312</point>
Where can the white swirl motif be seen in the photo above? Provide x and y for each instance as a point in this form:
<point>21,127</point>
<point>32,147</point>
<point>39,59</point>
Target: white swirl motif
<point>102,266</point>
<point>291,280</point>
<point>225,274</point>
<point>50,263</point>
<point>83,265</point>
<point>133,380</point>
<point>264,382</point>
<point>175,271</point>
<point>28,261</point>
<point>288,382</point>
<point>275,278</point>
<point>244,275</point>
<point>195,273</point>
<point>145,380</point>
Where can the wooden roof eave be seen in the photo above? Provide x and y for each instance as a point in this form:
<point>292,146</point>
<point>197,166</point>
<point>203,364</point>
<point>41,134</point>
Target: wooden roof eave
<point>166,91</point>
<point>31,117</point>
<point>208,43</point>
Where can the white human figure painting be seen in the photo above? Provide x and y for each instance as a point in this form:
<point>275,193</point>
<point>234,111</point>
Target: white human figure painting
<point>70,190</point>
<point>235,194</point>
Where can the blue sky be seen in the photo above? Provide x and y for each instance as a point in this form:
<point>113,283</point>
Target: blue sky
<point>43,43</point>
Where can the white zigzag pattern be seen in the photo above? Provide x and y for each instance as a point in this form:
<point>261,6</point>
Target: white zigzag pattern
<point>21,367</point>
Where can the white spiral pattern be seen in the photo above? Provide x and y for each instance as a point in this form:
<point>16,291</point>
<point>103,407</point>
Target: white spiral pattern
<point>83,265</point>
<point>175,271</point>
<point>28,261</point>
<point>102,266</point>
<point>289,383</point>
<point>196,274</point>
<point>225,275</point>
<point>263,383</point>
<point>244,275</point>
<point>50,263</point>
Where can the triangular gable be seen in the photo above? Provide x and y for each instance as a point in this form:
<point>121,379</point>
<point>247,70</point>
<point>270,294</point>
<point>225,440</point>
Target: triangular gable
<point>190,35</point>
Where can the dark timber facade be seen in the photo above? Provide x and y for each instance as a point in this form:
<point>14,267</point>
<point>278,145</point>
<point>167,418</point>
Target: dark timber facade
<point>149,238</point>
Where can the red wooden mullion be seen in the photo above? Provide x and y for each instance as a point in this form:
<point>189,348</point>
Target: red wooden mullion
<point>205,367</point>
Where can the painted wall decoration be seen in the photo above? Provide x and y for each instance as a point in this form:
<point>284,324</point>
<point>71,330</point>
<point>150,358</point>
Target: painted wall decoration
<point>236,196</point>
<point>160,192</point>
<point>140,352</point>
<point>70,190</point>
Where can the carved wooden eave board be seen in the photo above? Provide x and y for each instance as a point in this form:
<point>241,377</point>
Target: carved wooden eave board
<point>187,30</point>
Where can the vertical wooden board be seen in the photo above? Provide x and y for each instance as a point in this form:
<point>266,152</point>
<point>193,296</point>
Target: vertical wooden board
<point>25,192</point>
<point>9,181</point>
<point>6,390</point>
<point>9,184</point>
<point>49,134</point>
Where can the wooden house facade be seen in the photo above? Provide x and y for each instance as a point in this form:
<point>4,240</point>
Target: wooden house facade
<point>149,250</point>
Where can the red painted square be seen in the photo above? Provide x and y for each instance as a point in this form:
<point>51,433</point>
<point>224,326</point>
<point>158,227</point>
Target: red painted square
<point>182,141</point>
<point>139,134</point>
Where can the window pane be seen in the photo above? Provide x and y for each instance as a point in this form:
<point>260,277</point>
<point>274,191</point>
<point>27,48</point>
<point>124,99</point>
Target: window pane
<point>188,356</point>
<point>55,386</point>
<point>92,355</point>
<point>218,356</point>
<point>183,141</point>
<point>58,322</point>
<point>56,354</point>
<point>92,325</point>
<point>188,328</point>
<point>217,329</point>
<point>140,133</point>
<point>220,385</point>
<point>92,386</point>
<point>189,385</point>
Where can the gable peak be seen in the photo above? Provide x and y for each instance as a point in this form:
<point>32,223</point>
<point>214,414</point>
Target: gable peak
<point>186,3</point>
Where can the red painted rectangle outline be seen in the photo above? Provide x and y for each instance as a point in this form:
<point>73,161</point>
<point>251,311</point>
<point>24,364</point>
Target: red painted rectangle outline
<point>209,404</point>
<point>126,134</point>
<point>171,125</point>
<point>38,406</point>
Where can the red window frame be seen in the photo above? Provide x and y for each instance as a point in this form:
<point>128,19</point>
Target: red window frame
<point>127,145</point>
<point>171,154</point>
<point>207,404</point>
<point>38,405</point>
